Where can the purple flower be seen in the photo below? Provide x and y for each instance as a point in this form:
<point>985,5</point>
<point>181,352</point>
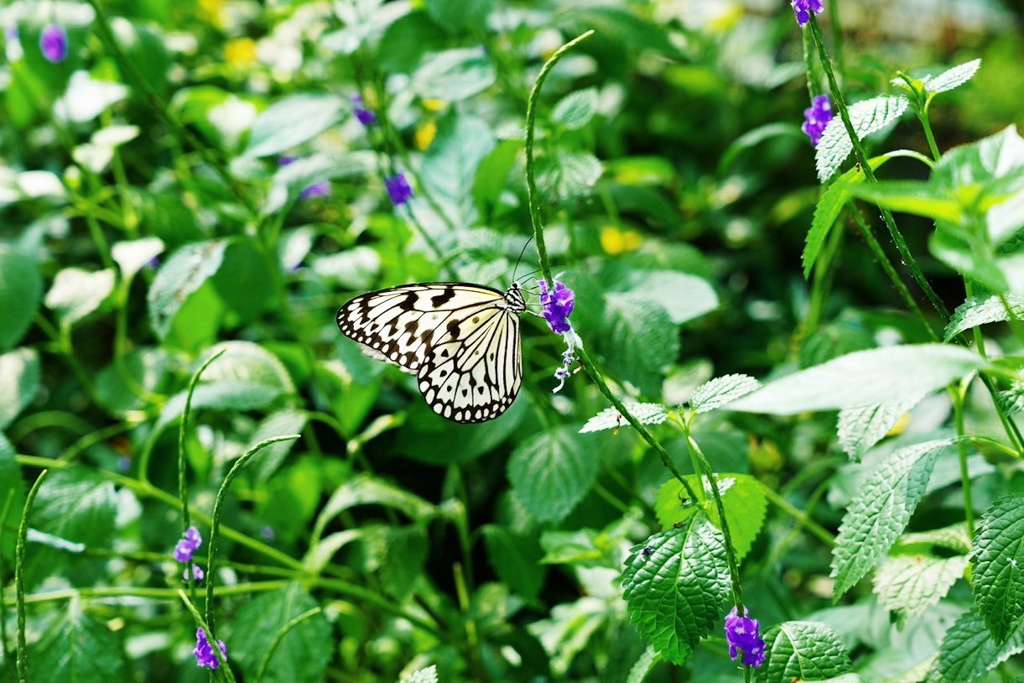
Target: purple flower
<point>188,545</point>
<point>816,118</point>
<point>267,532</point>
<point>398,189</point>
<point>320,188</point>
<point>558,303</point>
<point>197,573</point>
<point>54,43</point>
<point>205,657</point>
<point>803,9</point>
<point>744,637</point>
<point>365,116</point>
<point>285,159</point>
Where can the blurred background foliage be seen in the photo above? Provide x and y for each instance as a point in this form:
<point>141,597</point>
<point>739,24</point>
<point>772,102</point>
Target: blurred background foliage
<point>146,222</point>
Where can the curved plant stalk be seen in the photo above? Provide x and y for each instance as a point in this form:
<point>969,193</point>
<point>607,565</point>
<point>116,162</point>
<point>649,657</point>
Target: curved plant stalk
<point>265,662</point>
<point>224,668</point>
<point>19,577</point>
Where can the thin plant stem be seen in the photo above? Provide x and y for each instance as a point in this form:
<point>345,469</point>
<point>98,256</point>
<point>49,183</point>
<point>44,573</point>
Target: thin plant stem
<point>265,662</point>
<point>208,631</point>
<point>922,116</point>
<point>19,577</point>
<point>218,508</point>
<point>869,174</point>
<point>799,515</point>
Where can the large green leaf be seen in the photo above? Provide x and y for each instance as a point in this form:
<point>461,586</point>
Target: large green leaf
<point>878,514</point>
<point>952,78</point>
<point>998,565</point>
<point>864,378</point>
<point>19,381</point>
<point>13,486</point>
<point>981,310</point>
<point>450,165</point>
<point>76,293</point>
<point>516,558</point>
<point>21,288</point>
<point>293,120</point>
<point>641,341</point>
<point>76,648</point>
<point>676,585</point>
<point>802,651</point>
<point>575,109</point>
<point>721,391</point>
<point>867,117</point>
<point>178,278</point>
<point>300,656</point>
<point>968,651</point>
<point>551,472</point>
<point>453,75</point>
<point>365,490</point>
<point>909,584</point>
<point>859,429</point>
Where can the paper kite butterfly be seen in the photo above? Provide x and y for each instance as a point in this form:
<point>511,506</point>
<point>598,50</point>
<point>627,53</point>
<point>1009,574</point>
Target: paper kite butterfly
<point>460,340</point>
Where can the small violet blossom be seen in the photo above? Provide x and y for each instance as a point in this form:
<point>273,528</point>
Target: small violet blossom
<point>197,573</point>
<point>321,188</point>
<point>558,301</point>
<point>188,545</point>
<point>205,656</point>
<point>803,9</point>
<point>398,189</point>
<point>53,42</point>
<point>744,637</point>
<point>816,118</point>
<point>267,532</point>
<point>364,115</point>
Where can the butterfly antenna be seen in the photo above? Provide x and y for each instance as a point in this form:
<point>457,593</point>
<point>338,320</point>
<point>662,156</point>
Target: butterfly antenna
<point>521,258</point>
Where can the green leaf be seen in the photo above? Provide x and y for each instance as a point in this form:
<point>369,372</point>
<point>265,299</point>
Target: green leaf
<point>575,109</point>
<point>908,584</point>
<point>459,15</point>
<point>406,40</point>
<point>365,490</point>
<point>953,78</point>
<point>997,563</point>
<point>721,391</point>
<point>19,381</point>
<point>867,117</point>
<point>492,176</point>
<point>245,283</point>
<point>684,297</point>
<point>644,664</point>
<point>290,180</point>
<point>453,75</point>
<point>11,484</point>
<point>396,554</point>
<point>676,586</point>
<point>755,137</point>
<point>742,496</point>
<point>968,651</point>
<point>908,196</point>
<point>146,368</point>
<point>864,378</point>
<point>301,655</point>
<point>178,278</point>
<point>641,341</point>
<point>567,176</point>
<point>953,537</point>
<point>271,457</point>
<point>879,513</point>
<point>450,165</point>
<point>611,418</point>
<point>516,559</point>
<point>132,256</point>
<point>21,289</point>
<point>76,293</point>
<point>981,310</point>
<point>427,675</point>
<point>293,120</point>
<point>76,648</point>
<point>802,651</point>
<point>551,472</point>
<point>859,429</point>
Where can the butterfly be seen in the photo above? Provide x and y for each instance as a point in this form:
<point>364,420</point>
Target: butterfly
<point>460,340</point>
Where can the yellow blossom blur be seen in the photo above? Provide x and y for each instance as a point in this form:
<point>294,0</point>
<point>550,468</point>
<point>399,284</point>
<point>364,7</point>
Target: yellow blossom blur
<point>425,133</point>
<point>434,105</point>
<point>616,241</point>
<point>240,51</point>
<point>212,11</point>
<point>900,425</point>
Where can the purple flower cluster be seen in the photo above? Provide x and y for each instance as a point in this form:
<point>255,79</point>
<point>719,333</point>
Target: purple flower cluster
<point>205,656</point>
<point>188,545</point>
<point>321,188</point>
<point>364,115</point>
<point>398,189</point>
<point>558,302</point>
<point>197,573</point>
<point>803,9</point>
<point>53,42</point>
<point>816,118</point>
<point>744,637</point>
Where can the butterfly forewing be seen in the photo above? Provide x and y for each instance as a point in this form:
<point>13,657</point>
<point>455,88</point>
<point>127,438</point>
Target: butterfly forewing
<point>460,340</point>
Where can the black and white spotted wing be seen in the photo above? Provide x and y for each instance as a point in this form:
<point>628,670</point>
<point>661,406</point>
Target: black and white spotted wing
<point>460,340</point>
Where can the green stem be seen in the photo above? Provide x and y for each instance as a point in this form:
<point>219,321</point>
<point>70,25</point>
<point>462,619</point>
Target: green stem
<point>869,174</point>
<point>218,508</point>
<point>799,515</point>
<point>19,577</point>
<point>265,662</point>
<point>208,631</point>
<point>182,427</point>
<point>922,116</point>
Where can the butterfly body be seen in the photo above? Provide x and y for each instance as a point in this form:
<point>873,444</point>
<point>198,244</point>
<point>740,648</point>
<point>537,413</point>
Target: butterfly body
<point>460,340</point>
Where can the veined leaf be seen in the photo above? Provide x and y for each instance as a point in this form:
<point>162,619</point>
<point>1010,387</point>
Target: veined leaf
<point>954,77</point>
<point>910,583</point>
<point>980,310</point>
<point>516,559</point>
<point>453,75</point>
<point>968,651</point>
<point>551,472</point>
<point>998,565</point>
<point>576,109</point>
<point>77,648</point>
<point>953,537</point>
<point>611,418</point>
<point>76,293</point>
<point>919,198</point>
<point>21,288</point>
<point>427,675</point>
<point>365,490</point>
<point>182,274</point>
<point>132,256</point>
<point>676,585</point>
<point>867,117</point>
<point>293,120</point>
<point>721,391</point>
<point>864,378</point>
<point>861,428</point>
<point>880,511</point>
<point>19,380</point>
<point>802,651</point>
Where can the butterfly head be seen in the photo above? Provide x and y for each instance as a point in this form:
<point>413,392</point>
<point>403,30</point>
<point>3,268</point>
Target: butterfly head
<point>515,299</point>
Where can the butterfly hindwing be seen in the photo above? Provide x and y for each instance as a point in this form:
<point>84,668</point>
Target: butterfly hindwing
<point>460,340</point>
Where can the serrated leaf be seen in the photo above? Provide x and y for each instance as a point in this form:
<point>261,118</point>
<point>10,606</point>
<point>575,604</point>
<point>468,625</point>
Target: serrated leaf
<point>453,75</point>
<point>953,78</point>
<point>676,586</point>
<point>879,513</point>
<point>568,176</point>
<point>575,109</point>
<point>19,380</point>
<point>610,418</point>
<point>953,537</point>
<point>293,120</point>
<point>76,648</point>
<point>641,341</point>
<point>183,273</point>
<point>968,651</point>
<point>867,117</point>
<point>551,472</point>
<point>910,583</point>
<point>863,378</point>
<point>450,165</point>
<point>721,391</point>
<point>427,675</point>
<point>996,561</point>
<point>802,651</point>
<point>300,656</point>
<point>21,289</point>
<point>132,256</point>
<point>76,293</point>
<point>981,310</point>
<point>642,667</point>
<point>1012,400</point>
<point>742,496</point>
<point>683,296</point>
<point>859,429</point>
